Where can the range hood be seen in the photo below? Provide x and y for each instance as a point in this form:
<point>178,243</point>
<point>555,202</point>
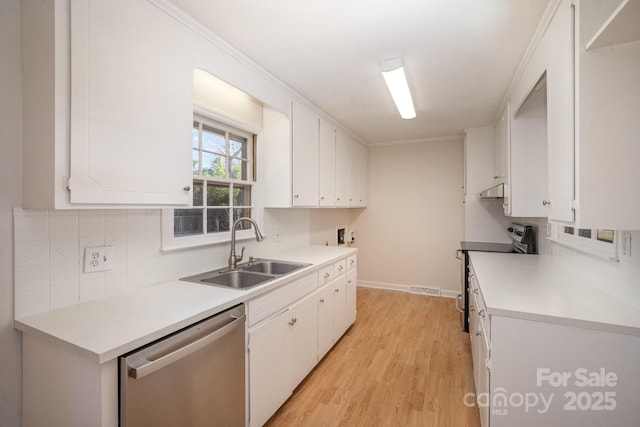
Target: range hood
<point>495,192</point>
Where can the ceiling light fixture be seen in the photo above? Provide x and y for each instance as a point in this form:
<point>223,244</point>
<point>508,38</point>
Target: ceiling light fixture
<point>394,76</point>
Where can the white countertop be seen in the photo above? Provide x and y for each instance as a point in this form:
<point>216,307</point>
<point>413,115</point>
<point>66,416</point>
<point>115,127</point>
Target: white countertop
<point>532,287</point>
<point>109,327</point>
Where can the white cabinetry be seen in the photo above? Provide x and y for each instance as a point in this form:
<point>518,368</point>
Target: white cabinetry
<point>358,176</point>
<point>327,165</point>
<point>293,327</point>
<point>514,358</point>
<point>305,134</point>
<point>342,169</point>
<point>501,137</point>
<point>102,108</point>
<point>608,88</point>
<point>270,361</point>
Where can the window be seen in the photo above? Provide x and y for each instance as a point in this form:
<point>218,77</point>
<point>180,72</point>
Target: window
<point>599,242</point>
<point>223,180</point>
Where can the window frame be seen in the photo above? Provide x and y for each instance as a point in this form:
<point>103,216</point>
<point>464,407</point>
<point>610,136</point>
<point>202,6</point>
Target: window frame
<point>224,122</point>
<point>591,245</point>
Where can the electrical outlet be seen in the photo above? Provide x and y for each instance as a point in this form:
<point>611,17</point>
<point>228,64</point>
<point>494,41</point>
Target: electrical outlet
<point>278,236</point>
<point>97,259</point>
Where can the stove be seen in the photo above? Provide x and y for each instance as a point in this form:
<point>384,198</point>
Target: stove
<point>522,242</point>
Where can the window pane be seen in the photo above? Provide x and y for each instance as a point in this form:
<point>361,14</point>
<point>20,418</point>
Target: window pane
<point>214,165</point>
<point>187,222</point>
<point>217,195</point>
<point>238,146</point>
<point>605,236</point>
<point>194,136</point>
<point>213,140</point>
<point>584,232</point>
<point>239,213</point>
<point>197,193</point>
<point>241,195</point>
<point>238,169</point>
<point>217,220</point>
<point>196,162</point>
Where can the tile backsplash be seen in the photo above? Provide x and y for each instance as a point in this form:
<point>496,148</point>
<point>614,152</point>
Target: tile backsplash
<point>49,252</point>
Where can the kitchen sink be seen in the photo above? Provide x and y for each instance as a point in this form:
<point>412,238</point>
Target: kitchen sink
<point>237,279</point>
<point>273,267</point>
<point>247,275</point>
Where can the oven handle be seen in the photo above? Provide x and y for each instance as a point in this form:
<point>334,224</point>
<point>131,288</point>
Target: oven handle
<point>459,298</point>
<point>459,254</point>
<point>169,358</point>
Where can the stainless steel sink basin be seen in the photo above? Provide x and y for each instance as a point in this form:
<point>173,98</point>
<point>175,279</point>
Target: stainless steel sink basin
<point>237,279</point>
<point>273,267</point>
<point>246,275</point>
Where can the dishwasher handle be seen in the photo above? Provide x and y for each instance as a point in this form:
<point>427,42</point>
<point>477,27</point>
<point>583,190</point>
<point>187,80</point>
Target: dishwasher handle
<point>172,357</point>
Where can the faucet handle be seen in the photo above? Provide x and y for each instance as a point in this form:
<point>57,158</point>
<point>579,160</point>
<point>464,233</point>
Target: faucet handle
<point>239,257</point>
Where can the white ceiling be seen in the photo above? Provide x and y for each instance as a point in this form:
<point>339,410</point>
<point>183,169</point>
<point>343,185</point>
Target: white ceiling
<point>459,55</point>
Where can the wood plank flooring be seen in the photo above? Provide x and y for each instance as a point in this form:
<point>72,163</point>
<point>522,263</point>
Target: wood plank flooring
<point>405,362</point>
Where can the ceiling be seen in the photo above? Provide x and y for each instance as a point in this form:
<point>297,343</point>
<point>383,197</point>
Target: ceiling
<point>459,55</point>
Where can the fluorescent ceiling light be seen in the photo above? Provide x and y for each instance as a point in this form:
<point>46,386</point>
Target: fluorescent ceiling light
<point>394,76</point>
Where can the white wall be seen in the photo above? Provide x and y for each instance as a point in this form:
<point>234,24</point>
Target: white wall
<point>325,224</point>
<point>10,172</point>
<point>414,222</point>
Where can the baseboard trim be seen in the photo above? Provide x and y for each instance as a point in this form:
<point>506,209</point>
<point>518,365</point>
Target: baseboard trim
<point>444,293</point>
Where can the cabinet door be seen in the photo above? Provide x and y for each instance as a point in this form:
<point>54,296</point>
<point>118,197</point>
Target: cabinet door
<point>342,169</point>
<point>270,361</point>
<point>327,158</point>
<point>560,114</point>
<point>501,136</point>
<point>131,104</point>
<point>305,136</point>
<point>358,159</point>
<point>339,307</point>
<point>325,319</point>
<point>482,385</point>
<point>304,328</point>
<point>350,298</point>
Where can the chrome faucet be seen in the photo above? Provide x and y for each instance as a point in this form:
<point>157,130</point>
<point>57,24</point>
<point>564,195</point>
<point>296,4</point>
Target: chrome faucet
<point>233,258</point>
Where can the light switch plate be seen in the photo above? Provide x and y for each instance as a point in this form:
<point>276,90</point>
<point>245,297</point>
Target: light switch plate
<point>626,243</point>
<point>97,259</point>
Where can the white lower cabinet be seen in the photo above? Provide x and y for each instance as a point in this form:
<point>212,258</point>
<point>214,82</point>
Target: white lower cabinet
<point>270,361</point>
<point>291,329</point>
<point>325,319</point>
<point>530,373</point>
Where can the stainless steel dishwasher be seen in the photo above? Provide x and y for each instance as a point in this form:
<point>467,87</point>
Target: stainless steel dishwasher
<point>194,377</point>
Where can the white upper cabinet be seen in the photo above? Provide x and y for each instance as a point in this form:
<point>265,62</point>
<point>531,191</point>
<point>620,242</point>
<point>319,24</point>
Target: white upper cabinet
<point>342,169</point>
<point>501,137</point>
<point>305,134</point>
<point>327,165</point>
<point>558,44</point>
<point>608,88</point>
<point>108,105</point>
<point>358,173</point>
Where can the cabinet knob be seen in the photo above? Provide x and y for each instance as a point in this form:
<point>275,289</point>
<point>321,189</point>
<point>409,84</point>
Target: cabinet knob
<point>322,198</point>
<point>296,196</point>
<point>187,188</point>
<point>496,177</point>
<point>326,275</point>
<point>546,202</point>
<point>336,290</point>
<point>340,267</point>
<point>352,261</point>
<point>479,332</point>
<point>472,308</point>
<point>475,291</point>
<point>481,313</point>
<point>293,321</point>
<point>322,300</point>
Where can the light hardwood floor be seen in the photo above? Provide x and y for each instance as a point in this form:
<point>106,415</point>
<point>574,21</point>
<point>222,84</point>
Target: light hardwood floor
<point>405,362</point>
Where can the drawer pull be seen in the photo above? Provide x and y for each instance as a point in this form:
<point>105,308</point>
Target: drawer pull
<point>481,313</point>
<point>326,275</point>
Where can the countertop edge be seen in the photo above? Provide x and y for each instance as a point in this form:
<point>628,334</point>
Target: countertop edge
<point>29,325</point>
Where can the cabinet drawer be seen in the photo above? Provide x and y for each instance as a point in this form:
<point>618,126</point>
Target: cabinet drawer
<point>325,275</point>
<point>264,306</point>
